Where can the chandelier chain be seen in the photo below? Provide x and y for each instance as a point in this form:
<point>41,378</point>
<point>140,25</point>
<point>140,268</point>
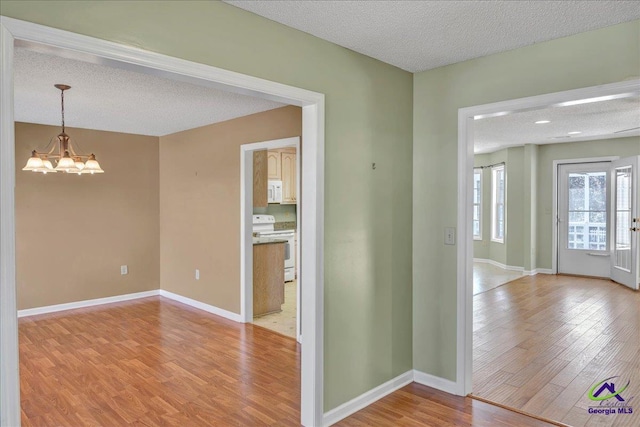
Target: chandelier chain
<point>62,105</point>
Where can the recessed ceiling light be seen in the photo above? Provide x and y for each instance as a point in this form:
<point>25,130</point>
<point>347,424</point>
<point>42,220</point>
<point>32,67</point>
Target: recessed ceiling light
<point>574,132</point>
<point>542,122</point>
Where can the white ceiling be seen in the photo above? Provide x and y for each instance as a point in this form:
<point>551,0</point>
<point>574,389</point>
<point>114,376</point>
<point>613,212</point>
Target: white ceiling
<point>596,120</point>
<point>112,99</point>
<point>420,35</point>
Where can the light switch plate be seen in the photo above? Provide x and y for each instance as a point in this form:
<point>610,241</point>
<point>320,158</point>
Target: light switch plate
<point>449,236</point>
<point>197,274</point>
<point>124,270</point>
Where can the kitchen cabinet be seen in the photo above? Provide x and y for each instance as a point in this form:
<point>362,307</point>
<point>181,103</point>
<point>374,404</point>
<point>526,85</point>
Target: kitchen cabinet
<point>274,165</point>
<point>288,164</point>
<point>268,278</point>
<point>260,179</point>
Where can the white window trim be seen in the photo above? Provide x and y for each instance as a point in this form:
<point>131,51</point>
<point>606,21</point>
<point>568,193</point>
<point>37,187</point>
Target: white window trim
<point>475,170</point>
<point>493,203</point>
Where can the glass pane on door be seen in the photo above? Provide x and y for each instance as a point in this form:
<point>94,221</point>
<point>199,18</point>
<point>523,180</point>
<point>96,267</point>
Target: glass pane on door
<point>623,219</point>
<point>587,199</point>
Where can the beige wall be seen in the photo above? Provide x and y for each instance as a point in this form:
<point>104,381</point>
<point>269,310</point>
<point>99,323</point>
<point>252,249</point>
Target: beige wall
<point>74,232</point>
<point>200,203</point>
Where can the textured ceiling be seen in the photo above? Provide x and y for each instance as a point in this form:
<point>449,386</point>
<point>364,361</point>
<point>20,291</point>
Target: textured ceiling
<point>597,120</point>
<point>112,99</point>
<point>420,35</point>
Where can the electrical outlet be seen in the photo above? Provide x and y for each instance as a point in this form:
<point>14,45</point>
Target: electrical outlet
<point>197,274</point>
<point>449,236</point>
<point>124,269</point>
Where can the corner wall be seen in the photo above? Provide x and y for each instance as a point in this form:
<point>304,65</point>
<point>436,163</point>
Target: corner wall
<point>510,252</point>
<point>74,232</point>
<point>200,203</point>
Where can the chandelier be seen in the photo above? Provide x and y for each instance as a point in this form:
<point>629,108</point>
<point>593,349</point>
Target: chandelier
<point>66,158</point>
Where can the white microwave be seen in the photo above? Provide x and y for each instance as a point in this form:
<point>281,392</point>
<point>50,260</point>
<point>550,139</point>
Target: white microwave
<point>274,192</point>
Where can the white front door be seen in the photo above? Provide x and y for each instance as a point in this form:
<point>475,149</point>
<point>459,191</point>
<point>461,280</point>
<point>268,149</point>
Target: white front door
<point>625,221</point>
<point>583,212</point>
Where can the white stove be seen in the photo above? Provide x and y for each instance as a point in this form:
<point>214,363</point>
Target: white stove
<point>263,227</point>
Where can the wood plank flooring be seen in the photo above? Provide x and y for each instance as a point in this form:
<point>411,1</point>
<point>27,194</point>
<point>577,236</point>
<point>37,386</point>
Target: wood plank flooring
<point>487,276</point>
<point>156,362</point>
<point>416,405</point>
<point>541,342</point>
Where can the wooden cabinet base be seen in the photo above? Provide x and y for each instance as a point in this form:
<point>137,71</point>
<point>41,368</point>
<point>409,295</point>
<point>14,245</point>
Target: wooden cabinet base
<point>268,278</point>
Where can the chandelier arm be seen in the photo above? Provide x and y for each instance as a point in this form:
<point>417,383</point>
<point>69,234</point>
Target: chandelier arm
<point>79,147</point>
<point>53,147</point>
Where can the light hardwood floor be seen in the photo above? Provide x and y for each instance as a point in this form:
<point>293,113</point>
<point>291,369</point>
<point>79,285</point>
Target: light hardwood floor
<point>541,342</point>
<point>156,362</point>
<point>487,276</point>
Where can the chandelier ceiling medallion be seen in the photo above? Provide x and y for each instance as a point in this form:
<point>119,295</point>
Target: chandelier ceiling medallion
<point>66,158</point>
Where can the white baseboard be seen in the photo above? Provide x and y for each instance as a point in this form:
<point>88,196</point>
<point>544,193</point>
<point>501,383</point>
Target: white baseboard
<point>85,303</point>
<point>366,399</point>
<point>514,268</point>
<point>538,271</point>
<point>438,383</point>
<point>202,306</point>
<point>499,264</point>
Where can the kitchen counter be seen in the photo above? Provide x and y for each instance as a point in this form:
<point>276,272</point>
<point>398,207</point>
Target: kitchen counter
<point>267,240</point>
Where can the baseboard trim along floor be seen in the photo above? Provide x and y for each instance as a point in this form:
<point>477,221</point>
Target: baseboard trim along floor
<point>438,383</point>
<point>85,303</point>
<point>367,398</point>
<point>202,306</point>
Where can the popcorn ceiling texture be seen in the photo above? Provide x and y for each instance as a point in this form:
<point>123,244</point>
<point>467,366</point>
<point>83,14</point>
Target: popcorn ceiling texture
<point>420,35</point>
<point>112,99</point>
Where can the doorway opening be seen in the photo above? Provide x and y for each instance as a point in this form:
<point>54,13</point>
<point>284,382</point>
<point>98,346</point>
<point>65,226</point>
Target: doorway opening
<point>272,169</point>
<point>75,46</point>
<point>537,256</point>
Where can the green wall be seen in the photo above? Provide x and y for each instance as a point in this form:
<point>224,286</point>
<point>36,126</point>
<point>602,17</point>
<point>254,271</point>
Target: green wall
<point>621,147</point>
<point>602,56</point>
<point>368,214</point>
<point>510,252</point>
<point>530,197</point>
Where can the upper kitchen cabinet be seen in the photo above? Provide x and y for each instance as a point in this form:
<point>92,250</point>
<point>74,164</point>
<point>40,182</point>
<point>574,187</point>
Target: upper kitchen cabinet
<point>281,166</point>
<point>274,165</point>
<point>288,164</point>
<point>260,179</point>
